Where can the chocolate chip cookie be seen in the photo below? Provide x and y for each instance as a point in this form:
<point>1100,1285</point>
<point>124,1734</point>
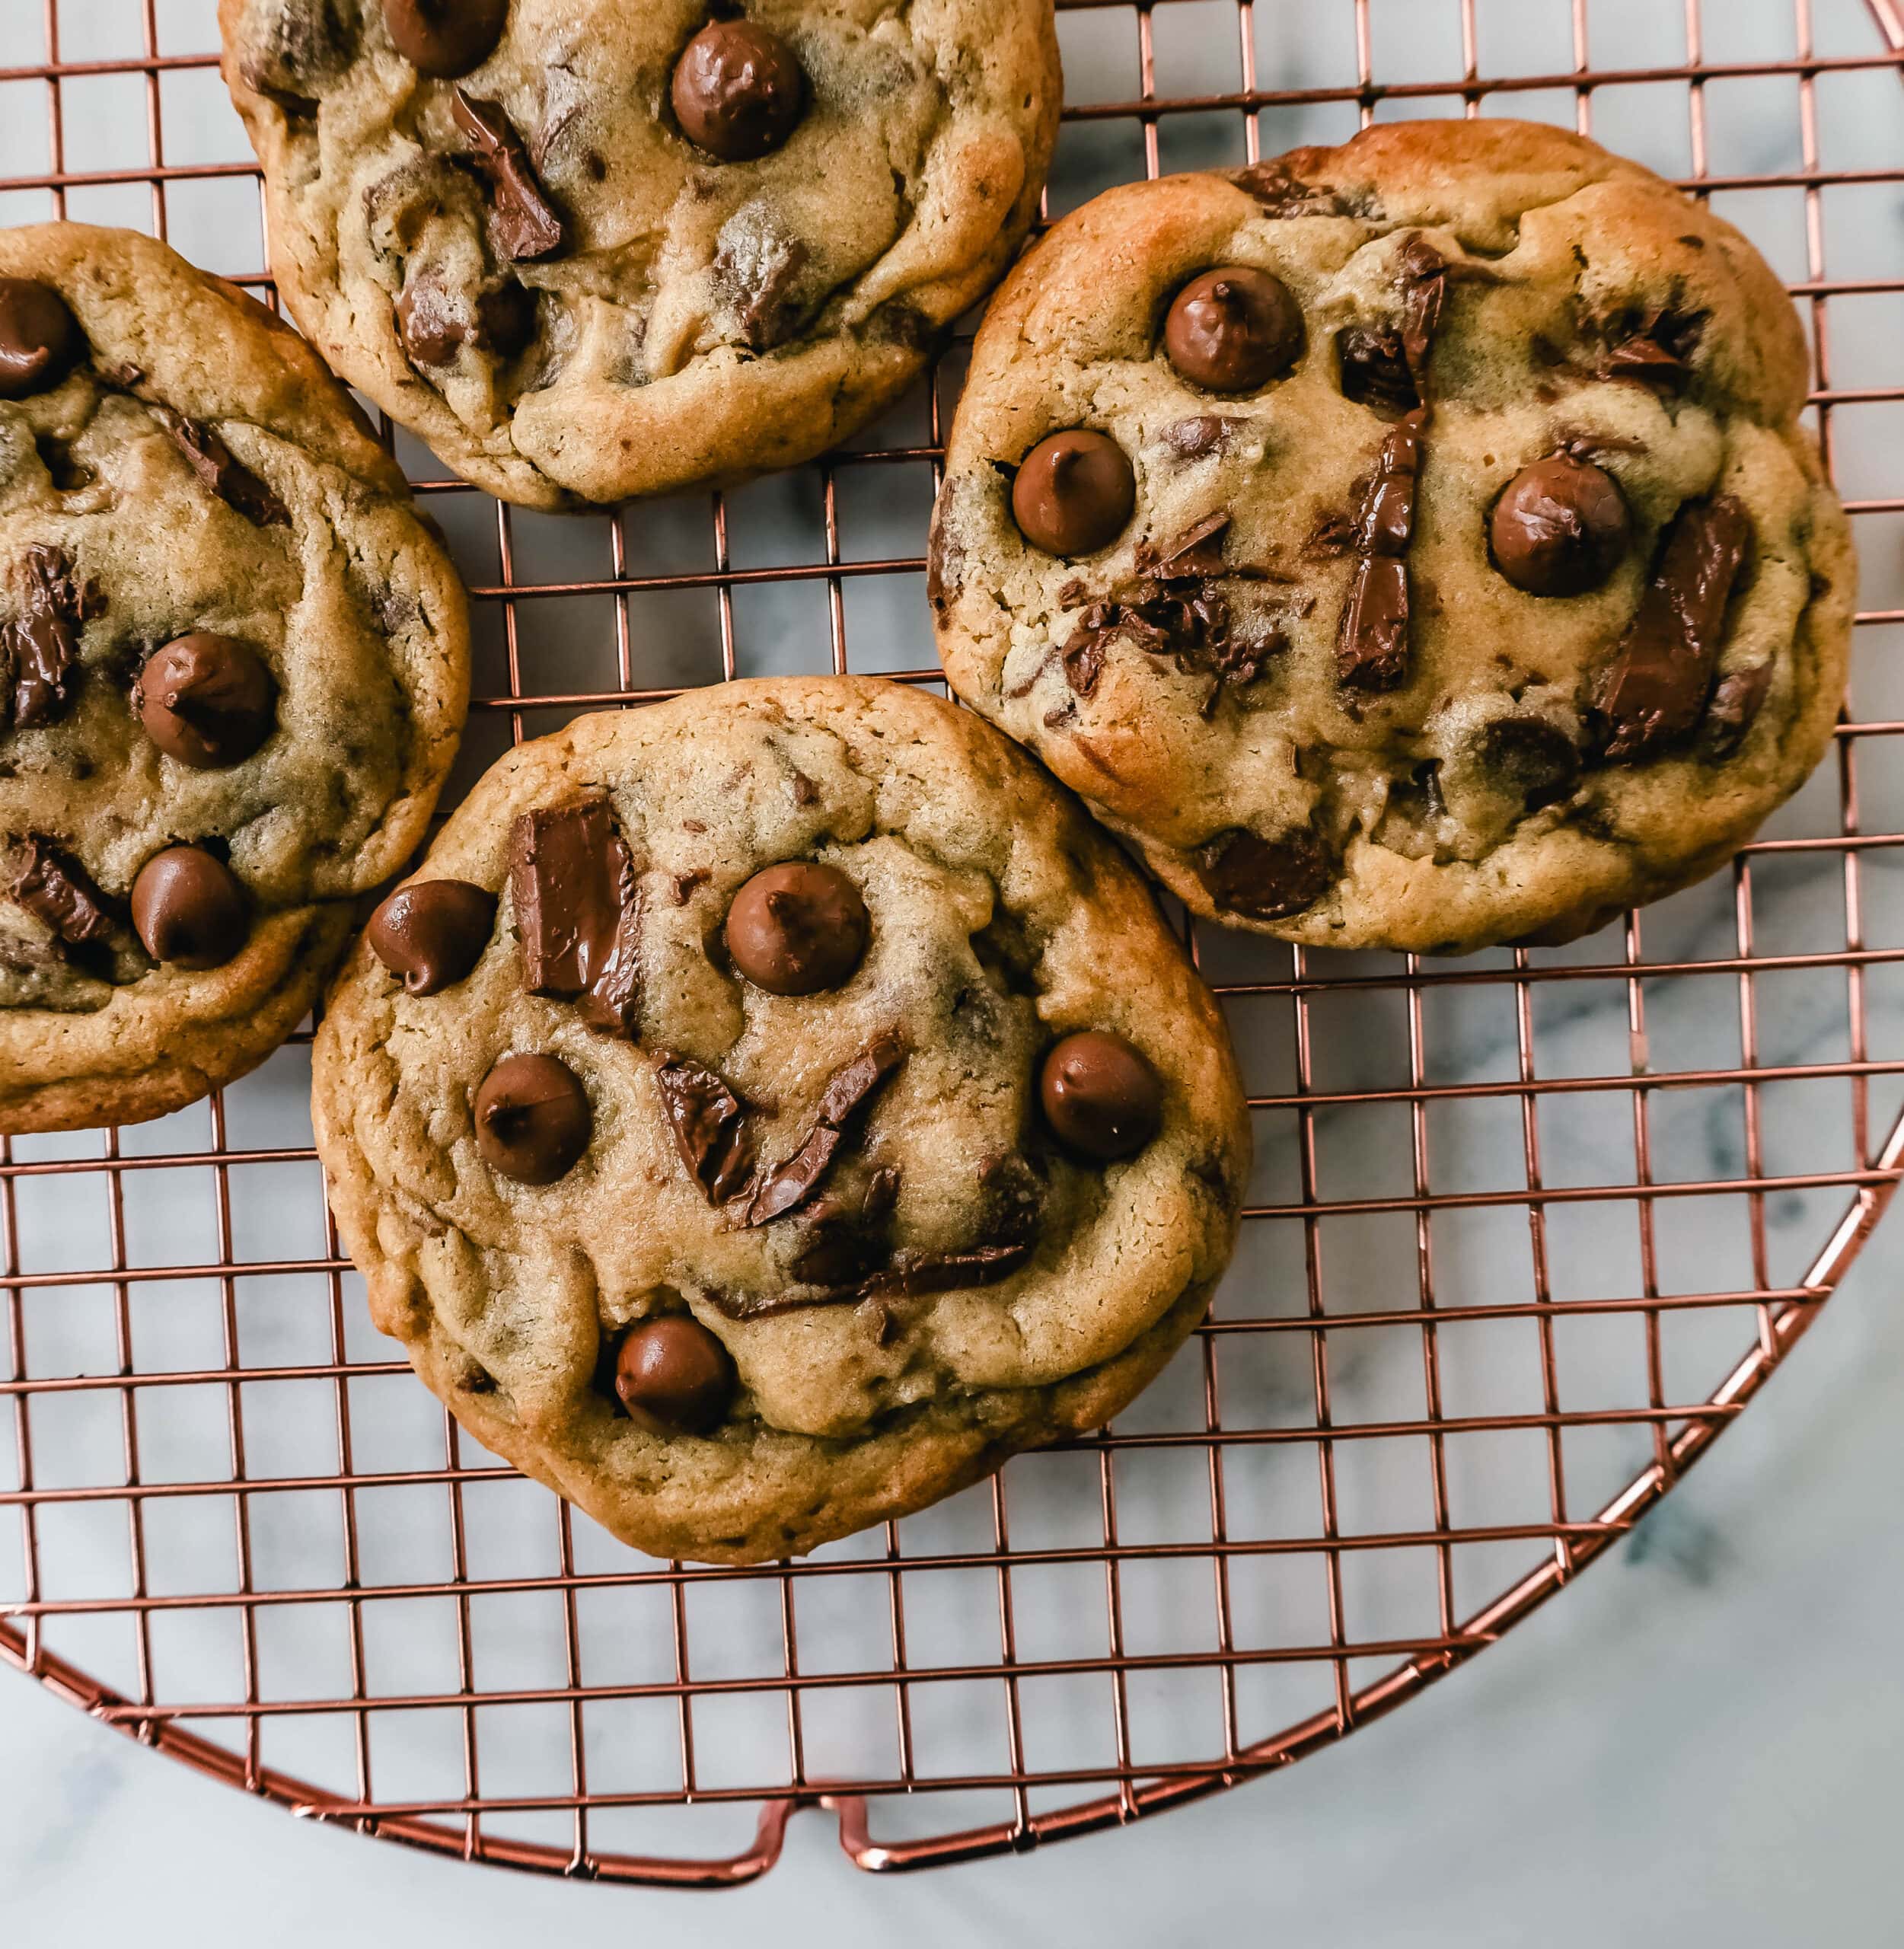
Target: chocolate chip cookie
<point>1412,545</point>
<point>234,665</point>
<point>764,1112</point>
<point>609,247</point>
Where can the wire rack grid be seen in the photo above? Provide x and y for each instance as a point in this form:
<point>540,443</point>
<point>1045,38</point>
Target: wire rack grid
<point>1527,1232</point>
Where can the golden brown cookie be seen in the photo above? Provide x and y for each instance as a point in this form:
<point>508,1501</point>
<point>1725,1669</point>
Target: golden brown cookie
<point>234,666</point>
<point>593,248</point>
<point>765,1112</point>
<point>1412,545</point>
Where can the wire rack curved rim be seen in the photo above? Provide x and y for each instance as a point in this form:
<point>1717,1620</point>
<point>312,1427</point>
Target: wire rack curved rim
<point>1784,1315</point>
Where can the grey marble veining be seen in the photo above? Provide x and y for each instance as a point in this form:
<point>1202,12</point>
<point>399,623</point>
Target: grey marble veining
<point>1692,1744</point>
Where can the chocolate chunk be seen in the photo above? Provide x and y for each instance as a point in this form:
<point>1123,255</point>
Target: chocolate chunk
<point>189,909</point>
<point>944,561</point>
<point>39,648</point>
<point>1655,689</point>
<point>578,911</point>
<point>293,48</point>
<point>207,700</point>
<point>683,886</point>
<point>1233,330</point>
<point>1559,528</point>
<point>1374,368</point>
<point>1193,555</point>
<point>673,1377</point>
<point>1100,1096</point>
<point>430,321</point>
<point>790,1183</point>
<point>1532,756</point>
<point>738,91</point>
<point>798,928</point>
<point>505,319</point>
<point>533,1121</point>
<point>56,890</point>
<point>433,932</point>
<point>1264,879</point>
<point>523,224</point>
<point>1425,291</point>
<point>913,1275</point>
<point>1283,194</point>
<point>757,271</point>
<point>1371,646</point>
<point>1736,699</point>
<point>445,39</point>
<point>1657,352</point>
<point>1074,492</point>
<point>710,1124</point>
<point>40,340</point>
<point>221,471</point>
<point>1203,433</point>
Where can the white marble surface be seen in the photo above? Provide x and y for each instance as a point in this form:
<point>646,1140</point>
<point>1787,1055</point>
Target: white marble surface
<point>1695,1744</point>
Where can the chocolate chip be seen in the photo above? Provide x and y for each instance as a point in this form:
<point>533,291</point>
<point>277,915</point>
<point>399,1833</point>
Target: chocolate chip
<point>207,700</point>
<point>1372,645</point>
<point>533,1122</point>
<point>1264,879</point>
<point>221,471</point>
<point>39,338</point>
<point>1203,433</point>
<point>1559,528</point>
<point>790,1183</point>
<point>39,648</point>
<point>1736,699</point>
<point>738,91</point>
<point>1531,756</point>
<point>1100,1096</point>
<point>673,1377</point>
<point>1655,689</point>
<point>433,932</point>
<point>798,928</point>
<point>1074,492</point>
<point>578,911</point>
<point>523,224</point>
<point>56,890</point>
<point>1233,330</point>
<point>710,1124</point>
<point>446,38</point>
<point>189,909</point>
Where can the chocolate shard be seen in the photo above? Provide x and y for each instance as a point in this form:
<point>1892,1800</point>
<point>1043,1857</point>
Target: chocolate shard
<point>1191,557</point>
<point>578,912</point>
<point>524,224</point>
<point>1655,691</point>
<point>39,648</point>
<point>222,472</point>
<point>1282,193</point>
<point>914,1275</point>
<point>1736,699</point>
<point>1374,369</point>
<point>711,1126</point>
<point>1425,291</point>
<point>791,1182</point>
<point>1264,879</point>
<point>1657,353</point>
<point>54,888</point>
<point>1371,646</point>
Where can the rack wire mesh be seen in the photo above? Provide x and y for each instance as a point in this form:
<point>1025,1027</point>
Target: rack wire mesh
<point>1527,1232</point>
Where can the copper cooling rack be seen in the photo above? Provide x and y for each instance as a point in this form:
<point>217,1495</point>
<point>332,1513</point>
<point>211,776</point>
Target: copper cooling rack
<point>1528,1231</point>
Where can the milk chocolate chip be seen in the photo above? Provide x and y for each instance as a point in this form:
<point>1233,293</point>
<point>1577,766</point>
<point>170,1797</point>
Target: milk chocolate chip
<point>40,339</point>
<point>533,1122</point>
<point>189,909</point>
<point>1100,1096</point>
<point>446,38</point>
<point>1559,527</point>
<point>1074,492</point>
<point>1233,330</point>
<point>674,1376</point>
<point>206,700</point>
<point>798,928</point>
<point>432,933</point>
<point>738,91</point>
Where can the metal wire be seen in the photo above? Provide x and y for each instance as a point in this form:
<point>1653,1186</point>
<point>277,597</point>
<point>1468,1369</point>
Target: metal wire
<point>1056,1651</point>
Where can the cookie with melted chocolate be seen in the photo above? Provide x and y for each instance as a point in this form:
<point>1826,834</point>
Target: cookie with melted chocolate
<point>790,1100</point>
<point>1447,565</point>
<point>232,671</point>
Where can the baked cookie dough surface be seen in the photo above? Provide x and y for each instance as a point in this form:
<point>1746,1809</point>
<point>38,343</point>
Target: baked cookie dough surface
<point>226,638</point>
<point>523,257</point>
<point>957,1182</point>
<point>1500,591</point>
